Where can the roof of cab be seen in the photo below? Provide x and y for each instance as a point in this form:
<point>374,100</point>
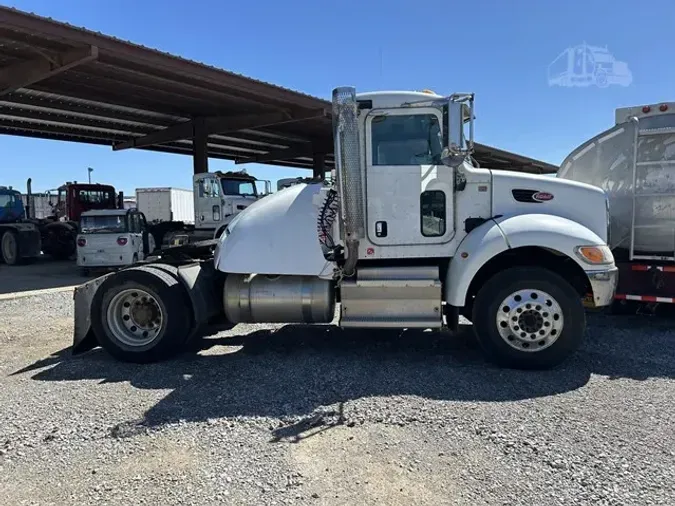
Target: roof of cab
<point>395,98</point>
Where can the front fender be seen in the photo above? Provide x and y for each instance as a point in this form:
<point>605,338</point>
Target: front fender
<point>500,234</point>
<point>475,250</point>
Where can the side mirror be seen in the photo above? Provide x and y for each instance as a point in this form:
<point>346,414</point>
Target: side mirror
<point>459,113</point>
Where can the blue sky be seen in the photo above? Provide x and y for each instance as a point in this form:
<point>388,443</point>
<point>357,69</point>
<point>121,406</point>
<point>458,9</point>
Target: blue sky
<point>499,49</point>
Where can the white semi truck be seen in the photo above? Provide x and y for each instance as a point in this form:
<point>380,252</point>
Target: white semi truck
<point>410,234</point>
<point>217,197</point>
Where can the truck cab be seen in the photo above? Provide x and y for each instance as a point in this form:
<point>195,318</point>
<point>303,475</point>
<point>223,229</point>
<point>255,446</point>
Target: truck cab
<point>11,205</point>
<point>75,198</point>
<point>19,240</point>
<point>219,196</point>
<point>415,233</point>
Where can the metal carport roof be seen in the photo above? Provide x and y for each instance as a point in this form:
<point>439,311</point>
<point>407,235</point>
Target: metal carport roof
<point>63,82</point>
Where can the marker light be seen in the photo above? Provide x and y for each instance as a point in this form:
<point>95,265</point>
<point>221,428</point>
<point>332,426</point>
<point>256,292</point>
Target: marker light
<point>595,254</point>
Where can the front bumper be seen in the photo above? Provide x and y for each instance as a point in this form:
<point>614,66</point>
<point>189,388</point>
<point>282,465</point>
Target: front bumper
<point>603,284</point>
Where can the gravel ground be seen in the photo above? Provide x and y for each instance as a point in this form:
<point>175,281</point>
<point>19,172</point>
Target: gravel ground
<point>315,415</point>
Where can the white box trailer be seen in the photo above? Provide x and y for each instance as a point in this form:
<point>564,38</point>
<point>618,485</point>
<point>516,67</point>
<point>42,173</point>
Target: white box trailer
<point>166,204</point>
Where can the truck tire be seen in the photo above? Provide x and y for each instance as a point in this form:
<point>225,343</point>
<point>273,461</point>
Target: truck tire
<point>141,315</point>
<point>528,318</point>
<point>9,248</point>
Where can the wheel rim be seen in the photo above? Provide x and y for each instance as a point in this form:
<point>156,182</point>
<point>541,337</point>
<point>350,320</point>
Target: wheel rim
<point>530,320</point>
<point>135,317</point>
<point>9,247</point>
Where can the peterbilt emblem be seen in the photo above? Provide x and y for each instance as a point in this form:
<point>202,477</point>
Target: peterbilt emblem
<point>542,196</point>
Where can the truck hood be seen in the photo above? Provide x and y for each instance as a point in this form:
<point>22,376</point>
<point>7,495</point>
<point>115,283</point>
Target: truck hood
<point>516,193</point>
<point>275,235</point>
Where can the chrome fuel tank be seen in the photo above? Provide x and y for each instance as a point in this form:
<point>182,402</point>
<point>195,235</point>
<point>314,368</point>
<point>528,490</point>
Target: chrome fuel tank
<point>259,298</point>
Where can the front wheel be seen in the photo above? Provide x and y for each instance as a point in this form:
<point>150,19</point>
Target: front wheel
<point>528,318</point>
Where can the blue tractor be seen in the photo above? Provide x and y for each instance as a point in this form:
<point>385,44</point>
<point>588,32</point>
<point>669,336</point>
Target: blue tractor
<point>19,237</point>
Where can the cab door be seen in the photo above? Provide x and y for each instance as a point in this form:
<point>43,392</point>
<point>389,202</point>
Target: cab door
<point>409,192</point>
<point>136,234</point>
<point>148,242</point>
<point>208,201</point>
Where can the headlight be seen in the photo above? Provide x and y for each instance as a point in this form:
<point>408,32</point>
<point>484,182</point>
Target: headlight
<point>595,254</point>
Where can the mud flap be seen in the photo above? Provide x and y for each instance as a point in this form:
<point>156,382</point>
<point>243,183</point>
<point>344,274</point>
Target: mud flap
<point>84,338</point>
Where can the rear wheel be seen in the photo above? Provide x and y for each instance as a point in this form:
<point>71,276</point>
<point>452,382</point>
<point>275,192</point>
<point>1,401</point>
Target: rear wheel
<point>9,246</point>
<point>528,318</point>
<point>141,315</point>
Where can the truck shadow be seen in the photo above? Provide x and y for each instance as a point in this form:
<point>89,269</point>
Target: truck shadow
<point>295,370</point>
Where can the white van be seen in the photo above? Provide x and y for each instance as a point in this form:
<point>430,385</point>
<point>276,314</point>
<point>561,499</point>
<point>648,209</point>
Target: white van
<point>113,238</point>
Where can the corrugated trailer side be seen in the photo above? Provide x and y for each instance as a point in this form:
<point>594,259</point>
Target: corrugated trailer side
<point>182,205</point>
<point>154,203</point>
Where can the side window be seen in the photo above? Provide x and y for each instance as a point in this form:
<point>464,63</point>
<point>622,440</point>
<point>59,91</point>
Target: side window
<point>432,212</point>
<point>411,139</point>
<point>209,188</point>
<point>204,189</point>
<point>215,188</point>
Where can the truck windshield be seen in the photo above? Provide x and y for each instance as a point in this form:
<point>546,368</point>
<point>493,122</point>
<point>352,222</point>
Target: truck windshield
<point>96,197</point>
<point>237,187</point>
<point>114,224</point>
<point>7,200</point>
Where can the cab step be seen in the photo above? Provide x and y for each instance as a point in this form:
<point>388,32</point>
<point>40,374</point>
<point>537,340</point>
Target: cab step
<point>392,297</point>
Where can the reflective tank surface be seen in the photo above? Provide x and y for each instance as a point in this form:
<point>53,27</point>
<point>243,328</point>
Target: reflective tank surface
<point>634,162</point>
<point>258,298</point>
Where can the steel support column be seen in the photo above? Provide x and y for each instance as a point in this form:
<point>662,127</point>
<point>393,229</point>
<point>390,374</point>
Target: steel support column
<point>200,151</point>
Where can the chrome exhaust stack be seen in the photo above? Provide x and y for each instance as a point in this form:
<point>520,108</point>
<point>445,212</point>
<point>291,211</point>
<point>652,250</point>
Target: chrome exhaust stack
<point>349,172</point>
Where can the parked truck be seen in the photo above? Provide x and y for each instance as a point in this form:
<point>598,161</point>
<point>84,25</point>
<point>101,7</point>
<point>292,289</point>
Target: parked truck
<point>59,231</point>
<point>217,198</point>
<point>634,162</point>
<point>23,236</point>
<point>409,234</point>
<point>19,240</point>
